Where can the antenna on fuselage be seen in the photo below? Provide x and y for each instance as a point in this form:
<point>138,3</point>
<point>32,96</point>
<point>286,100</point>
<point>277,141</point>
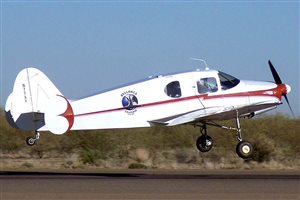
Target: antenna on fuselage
<point>202,60</point>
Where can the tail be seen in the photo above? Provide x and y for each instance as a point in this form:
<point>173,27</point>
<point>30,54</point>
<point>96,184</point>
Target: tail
<point>36,104</point>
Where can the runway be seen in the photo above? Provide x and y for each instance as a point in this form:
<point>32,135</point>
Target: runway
<point>137,184</point>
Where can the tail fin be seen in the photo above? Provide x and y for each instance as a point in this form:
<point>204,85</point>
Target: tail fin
<point>29,101</point>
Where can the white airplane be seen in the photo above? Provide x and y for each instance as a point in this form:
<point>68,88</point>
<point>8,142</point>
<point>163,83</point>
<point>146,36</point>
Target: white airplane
<point>198,97</point>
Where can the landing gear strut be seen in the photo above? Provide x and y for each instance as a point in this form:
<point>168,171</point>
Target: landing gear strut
<point>244,149</point>
<point>31,140</point>
<point>204,142</point>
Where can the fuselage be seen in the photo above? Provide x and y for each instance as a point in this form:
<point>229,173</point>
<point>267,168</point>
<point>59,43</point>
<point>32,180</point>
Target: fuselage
<point>201,93</point>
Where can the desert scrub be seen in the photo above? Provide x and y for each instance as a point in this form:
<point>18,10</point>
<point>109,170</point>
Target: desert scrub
<point>264,149</point>
<point>275,139</point>
<point>137,166</point>
<point>88,156</point>
<point>27,165</point>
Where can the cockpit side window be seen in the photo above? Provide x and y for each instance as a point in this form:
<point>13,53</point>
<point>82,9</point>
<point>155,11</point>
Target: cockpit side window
<point>173,89</point>
<point>227,81</point>
<point>207,85</point>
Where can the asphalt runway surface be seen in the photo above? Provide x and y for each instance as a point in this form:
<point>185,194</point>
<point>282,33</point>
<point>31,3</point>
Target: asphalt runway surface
<point>150,185</point>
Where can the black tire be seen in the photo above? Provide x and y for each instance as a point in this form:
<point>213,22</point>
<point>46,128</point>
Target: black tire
<point>30,141</point>
<point>204,143</point>
<point>244,149</point>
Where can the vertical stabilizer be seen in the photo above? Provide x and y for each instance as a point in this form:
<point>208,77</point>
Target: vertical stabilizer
<point>26,105</point>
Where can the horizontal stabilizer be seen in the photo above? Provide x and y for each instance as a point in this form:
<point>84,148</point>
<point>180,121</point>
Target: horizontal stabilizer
<point>59,116</point>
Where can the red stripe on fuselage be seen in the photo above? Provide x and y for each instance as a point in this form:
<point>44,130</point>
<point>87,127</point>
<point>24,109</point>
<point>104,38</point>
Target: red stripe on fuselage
<point>144,105</point>
<point>274,92</point>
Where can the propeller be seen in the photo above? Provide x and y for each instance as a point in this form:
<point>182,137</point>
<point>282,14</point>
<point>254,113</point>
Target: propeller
<point>274,73</point>
<point>278,81</point>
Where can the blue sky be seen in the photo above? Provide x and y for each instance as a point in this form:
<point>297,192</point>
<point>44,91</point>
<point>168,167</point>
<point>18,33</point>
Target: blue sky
<point>85,47</point>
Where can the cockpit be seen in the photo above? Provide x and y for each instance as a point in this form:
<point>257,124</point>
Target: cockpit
<point>227,81</point>
<point>208,82</point>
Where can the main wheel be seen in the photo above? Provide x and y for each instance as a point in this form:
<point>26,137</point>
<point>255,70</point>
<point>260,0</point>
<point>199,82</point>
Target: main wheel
<point>244,149</point>
<point>30,141</point>
<point>204,143</point>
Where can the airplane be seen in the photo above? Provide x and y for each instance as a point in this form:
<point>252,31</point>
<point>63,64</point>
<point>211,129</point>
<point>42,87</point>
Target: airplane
<point>199,98</point>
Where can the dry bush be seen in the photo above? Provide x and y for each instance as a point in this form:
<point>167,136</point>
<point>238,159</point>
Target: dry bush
<point>275,139</point>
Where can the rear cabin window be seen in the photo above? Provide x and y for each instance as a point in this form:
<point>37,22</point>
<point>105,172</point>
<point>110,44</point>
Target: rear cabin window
<point>207,85</point>
<point>173,89</point>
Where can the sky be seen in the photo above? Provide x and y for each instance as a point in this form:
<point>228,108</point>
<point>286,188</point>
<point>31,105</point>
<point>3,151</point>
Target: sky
<point>88,46</point>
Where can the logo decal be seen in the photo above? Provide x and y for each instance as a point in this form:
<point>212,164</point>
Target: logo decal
<point>129,101</point>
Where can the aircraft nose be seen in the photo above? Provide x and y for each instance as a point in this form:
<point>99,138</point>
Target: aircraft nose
<point>288,88</point>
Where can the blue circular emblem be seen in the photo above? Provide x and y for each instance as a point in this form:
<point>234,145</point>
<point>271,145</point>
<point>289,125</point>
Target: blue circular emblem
<point>129,101</point>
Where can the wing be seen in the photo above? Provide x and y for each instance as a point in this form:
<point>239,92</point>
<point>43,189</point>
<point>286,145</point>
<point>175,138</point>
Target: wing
<point>214,113</point>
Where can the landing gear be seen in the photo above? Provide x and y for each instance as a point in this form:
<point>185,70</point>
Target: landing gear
<point>204,142</point>
<point>30,141</point>
<point>244,149</point>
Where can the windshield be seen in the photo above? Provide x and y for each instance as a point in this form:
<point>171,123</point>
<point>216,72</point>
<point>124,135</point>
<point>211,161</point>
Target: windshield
<point>227,81</point>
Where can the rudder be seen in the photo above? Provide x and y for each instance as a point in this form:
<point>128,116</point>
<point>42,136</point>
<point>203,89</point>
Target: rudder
<point>26,105</point>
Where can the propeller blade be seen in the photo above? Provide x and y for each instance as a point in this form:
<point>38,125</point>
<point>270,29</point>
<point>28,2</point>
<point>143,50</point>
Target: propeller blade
<point>287,100</point>
<point>274,73</point>
<point>278,81</point>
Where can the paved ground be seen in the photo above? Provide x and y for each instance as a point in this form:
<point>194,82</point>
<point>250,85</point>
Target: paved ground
<point>150,185</point>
